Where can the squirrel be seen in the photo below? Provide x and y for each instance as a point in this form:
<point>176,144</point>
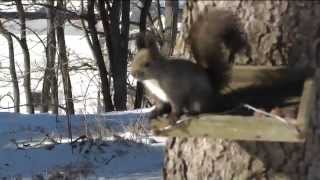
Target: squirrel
<point>182,86</point>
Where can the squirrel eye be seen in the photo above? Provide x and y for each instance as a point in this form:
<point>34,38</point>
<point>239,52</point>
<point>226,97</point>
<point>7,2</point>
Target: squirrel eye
<point>147,64</point>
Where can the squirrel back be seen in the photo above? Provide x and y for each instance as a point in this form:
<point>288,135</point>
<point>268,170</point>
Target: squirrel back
<point>214,38</point>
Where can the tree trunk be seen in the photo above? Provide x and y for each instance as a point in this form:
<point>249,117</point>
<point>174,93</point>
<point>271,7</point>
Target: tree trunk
<point>142,28</point>
<point>122,69</point>
<point>117,42</point>
<point>26,56</point>
<point>170,32</point>
<point>63,62</point>
<point>50,79</point>
<point>15,83</point>
<point>280,32</point>
<point>117,46</point>
<point>16,94</point>
<point>97,54</point>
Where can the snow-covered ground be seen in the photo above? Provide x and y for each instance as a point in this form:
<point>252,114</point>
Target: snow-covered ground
<point>37,146</point>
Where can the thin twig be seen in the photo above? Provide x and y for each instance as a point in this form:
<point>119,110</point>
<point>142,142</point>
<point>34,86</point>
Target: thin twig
<point>266,113</point>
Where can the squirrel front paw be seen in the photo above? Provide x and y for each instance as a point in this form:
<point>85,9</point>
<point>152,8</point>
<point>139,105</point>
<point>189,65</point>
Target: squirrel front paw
<point>173,117</point>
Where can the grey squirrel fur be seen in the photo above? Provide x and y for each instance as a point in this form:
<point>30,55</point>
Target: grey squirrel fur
<point>181,86</point>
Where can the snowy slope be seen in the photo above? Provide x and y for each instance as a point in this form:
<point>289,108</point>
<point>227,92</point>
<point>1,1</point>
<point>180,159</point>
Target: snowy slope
<point>38,146</point>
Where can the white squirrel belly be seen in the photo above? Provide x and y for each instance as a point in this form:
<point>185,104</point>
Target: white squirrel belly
<point>154,88</point>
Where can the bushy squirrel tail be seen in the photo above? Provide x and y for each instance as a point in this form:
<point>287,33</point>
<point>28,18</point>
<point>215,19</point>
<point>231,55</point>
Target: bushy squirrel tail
<point>215,38</point>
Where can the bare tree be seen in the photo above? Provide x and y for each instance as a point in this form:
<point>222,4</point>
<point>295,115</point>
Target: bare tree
<point>50,79</point>
<point>26,55</point>
<point>63,60</point>
<point>117,38</point>
<point>120,46</point>
<point>97,54</point>
<point>280,32</point>
<point>170,31</point>
<point>13,73</point>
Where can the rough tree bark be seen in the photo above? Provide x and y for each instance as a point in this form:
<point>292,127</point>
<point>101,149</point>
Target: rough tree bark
<point>50,79</point>
<point>14,79</point>
<point>170,31</point>
<point>63,61</point>
<point>280,32</point>
<point>26,56</point>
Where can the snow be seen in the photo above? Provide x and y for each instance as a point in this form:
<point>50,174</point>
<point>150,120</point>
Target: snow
<point>26,148</point>
<point>113,161</point>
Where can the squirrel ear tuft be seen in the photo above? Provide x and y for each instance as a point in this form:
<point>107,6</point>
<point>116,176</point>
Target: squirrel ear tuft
<point>146,39</point>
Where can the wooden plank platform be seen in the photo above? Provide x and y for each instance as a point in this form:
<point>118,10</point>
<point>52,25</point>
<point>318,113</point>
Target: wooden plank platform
<point>236,127</point>
<point>230,127</point>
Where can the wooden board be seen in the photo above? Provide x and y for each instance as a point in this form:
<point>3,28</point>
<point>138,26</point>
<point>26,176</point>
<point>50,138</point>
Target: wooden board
<point>306,107</point>
<point>230,127</point>
<point>236,127</point>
